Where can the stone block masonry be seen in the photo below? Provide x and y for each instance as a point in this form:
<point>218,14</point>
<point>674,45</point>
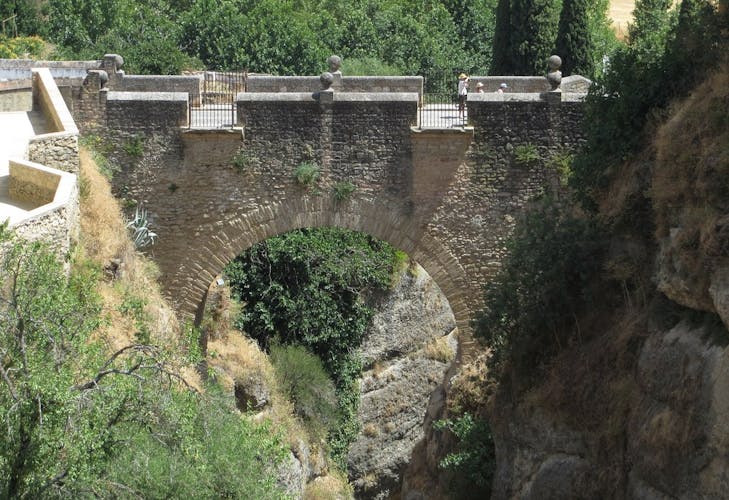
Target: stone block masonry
<point>58,150</point>
<point>448,198</point>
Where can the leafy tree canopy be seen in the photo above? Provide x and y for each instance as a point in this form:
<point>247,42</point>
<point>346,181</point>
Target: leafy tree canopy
<point>80,422</point>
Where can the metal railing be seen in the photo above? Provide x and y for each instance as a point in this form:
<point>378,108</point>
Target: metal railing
<point>441,111</point>
<point>214,106</point>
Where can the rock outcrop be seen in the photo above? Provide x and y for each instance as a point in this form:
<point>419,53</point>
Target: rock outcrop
<point>407,352</point>
<point>664,434</point>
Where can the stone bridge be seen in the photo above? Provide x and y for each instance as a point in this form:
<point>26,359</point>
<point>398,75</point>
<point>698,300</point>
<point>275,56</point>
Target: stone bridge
<point>448,197</point>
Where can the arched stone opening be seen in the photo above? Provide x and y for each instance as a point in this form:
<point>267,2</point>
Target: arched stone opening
<point>374,217</point>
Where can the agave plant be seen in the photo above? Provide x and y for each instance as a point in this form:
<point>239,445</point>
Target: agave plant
<point>139,225</point>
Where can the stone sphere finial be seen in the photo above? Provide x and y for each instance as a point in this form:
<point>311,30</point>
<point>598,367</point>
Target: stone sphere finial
<point>554,76</point>
<point>555,62</point>
<point>335,63</point>
<point>326,79</point>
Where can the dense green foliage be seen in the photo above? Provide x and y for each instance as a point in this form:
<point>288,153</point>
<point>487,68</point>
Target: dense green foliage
<point>501,61</point>
<point>20,47</point>
<point>574,41</point>
<point>436,39</point>
<point>308,287</point>
<point>526,32</point>
<point>533,31</point>
<point>665,57</point>
<point>473,461</point>
<point>78,422</point>
<point>533,304</point>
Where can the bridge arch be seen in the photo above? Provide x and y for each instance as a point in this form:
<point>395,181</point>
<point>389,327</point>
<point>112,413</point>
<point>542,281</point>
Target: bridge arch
<point>373,216</point>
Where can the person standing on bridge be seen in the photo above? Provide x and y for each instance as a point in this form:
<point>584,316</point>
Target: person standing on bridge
<point>462,95</point>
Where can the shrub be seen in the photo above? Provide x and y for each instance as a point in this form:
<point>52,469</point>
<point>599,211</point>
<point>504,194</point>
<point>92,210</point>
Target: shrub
<point>301,376</point>
<point>139,226</point>
<point>343,190</point>
<point>134,146</point>
<point>474,460</point>
<point>526,154</point>
<point>241,161</point>
<point>307,287</point>
<point>195,447</point>
<point>533,302</point>
<point>561,163</point>
<point>307,173</point>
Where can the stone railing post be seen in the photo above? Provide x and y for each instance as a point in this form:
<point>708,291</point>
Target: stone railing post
<point>554,101</point>
<point>112,63</point>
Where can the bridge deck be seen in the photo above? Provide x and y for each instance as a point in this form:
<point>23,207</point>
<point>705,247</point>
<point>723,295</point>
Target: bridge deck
<point>216,116</point>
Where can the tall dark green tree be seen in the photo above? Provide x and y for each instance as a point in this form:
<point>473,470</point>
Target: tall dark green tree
<point>501,62</point>
<point>648,33</point>
<point>574,40</point>
<point>697,42</point>
<point>533,33</point>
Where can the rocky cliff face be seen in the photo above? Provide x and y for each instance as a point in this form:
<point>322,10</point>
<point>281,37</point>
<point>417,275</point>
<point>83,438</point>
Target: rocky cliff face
<point>640,408</point>
<point>657,431</point>
<point>407,352</point>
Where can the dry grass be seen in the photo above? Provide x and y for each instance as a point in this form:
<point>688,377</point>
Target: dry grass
<point>689,185</point>
<point>234,357</point>
<point>371,430</point>
<point>439,349</point>
<point>333,486</point>
<point>103,234</point>
<point>128,275</point>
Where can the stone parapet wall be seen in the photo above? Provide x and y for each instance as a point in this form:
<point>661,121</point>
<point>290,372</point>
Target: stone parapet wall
<point>146,111</point>
<point>31,184</point>
<point>528,84</point>
<point>158,83</point>
<point>48,100</point>
<point>44,190</point>
<point>18,69</point>
<point>312,84</point>
<point>54,220</point>
<point>16,95</point>
<point>56,150</point>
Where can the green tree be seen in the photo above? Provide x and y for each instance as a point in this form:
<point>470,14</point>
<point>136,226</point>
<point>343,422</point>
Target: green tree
<point>648,33</point>
<point>574,40</point>
<point>22,18</point>
<point>501,62</point>
<point>532,305</point>
<point>79,422</point>
<point>533,31</point>
<point>656,66</point>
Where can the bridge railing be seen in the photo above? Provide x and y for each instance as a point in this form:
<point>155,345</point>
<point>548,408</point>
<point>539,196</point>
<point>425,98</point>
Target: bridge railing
<point>441,111</point>
<point>214,106</point>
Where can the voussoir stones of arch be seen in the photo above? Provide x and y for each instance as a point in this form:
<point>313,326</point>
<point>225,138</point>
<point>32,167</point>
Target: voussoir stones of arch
<point>326,79</point>
<point>554,76</point>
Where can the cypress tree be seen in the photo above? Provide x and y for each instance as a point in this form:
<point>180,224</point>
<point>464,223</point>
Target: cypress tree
<point>574,42</point>
<point>533,33</point>
<point>648,33</point>
<point>501,62</point>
